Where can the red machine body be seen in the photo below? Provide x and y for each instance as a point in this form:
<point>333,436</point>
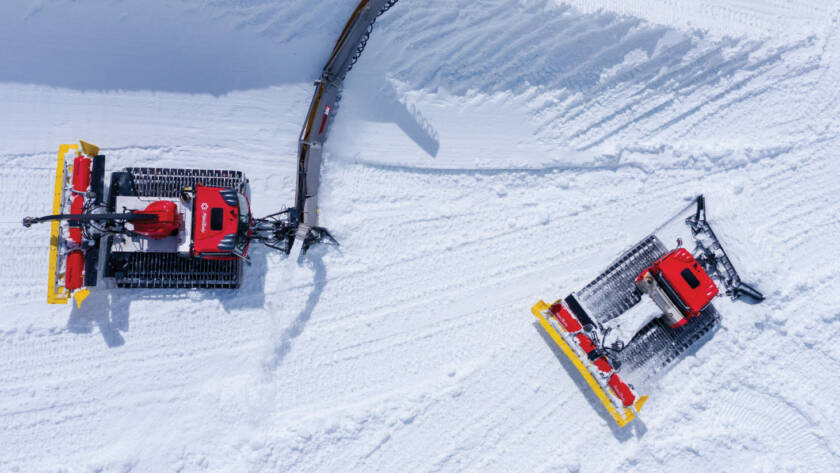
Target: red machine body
<point>688,280</point>
<point>144,227</point>
<point>648,307</point>
<point>676,282</point>
<point>167,220</point>
<point>217,223</point>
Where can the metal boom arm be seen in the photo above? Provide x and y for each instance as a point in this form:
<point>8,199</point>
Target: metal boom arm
<point>111,217</point>
<point>313,134</point>
<point>714,258</point>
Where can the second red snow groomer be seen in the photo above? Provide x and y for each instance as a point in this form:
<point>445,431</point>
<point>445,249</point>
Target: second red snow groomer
<point>677,314</point>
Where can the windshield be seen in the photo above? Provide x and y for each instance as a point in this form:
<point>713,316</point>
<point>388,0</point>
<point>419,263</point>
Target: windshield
<point>244,228</point>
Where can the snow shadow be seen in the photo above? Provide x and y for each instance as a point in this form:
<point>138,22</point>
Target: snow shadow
<point>636,428</point>
<point>315,259</point>
<point>187,46</point>
<point>109,310</point>
<point>386,106</point>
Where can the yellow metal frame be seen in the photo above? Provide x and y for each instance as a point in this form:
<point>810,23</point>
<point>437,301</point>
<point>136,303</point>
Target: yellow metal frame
<point>57,294</point>
<point>622,417</point>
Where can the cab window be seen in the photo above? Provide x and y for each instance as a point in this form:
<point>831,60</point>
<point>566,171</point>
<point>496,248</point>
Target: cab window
<point>216,219</point>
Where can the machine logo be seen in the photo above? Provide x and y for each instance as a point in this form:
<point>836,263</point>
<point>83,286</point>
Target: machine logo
<point>204,217</point>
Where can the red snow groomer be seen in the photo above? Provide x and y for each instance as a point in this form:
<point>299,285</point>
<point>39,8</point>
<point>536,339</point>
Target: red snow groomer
<point>154,227</point>
<point>676,316</point>
<point>187,228</point>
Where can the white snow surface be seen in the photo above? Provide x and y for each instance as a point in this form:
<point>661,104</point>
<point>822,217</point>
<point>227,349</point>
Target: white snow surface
<point>486,154</point>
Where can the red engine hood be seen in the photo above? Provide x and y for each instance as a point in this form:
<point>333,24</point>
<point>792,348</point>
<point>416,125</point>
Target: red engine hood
<point>215,220</point>
<point>685,275</point>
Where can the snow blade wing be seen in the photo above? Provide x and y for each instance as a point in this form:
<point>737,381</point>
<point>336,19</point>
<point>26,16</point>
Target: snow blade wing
<point>714,258</point>
<point>55,282</point>
<point>601,382</point>
<point>325,100</point>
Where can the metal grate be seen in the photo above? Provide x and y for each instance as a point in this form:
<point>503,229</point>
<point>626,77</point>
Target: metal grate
<point>167,182</point>
<point>613,292</point>
<point>656,345</point>
<point>168,270</point>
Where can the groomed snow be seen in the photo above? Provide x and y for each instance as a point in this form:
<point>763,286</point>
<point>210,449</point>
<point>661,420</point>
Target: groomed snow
<point>486,154</point>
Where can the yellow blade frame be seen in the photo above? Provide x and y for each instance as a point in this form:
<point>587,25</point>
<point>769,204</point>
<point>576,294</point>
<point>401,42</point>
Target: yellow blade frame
<point>56,294</point>
<point>622,417</point>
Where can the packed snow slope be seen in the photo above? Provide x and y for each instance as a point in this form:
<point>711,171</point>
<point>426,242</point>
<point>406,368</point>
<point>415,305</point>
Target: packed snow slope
<point>487,154</point>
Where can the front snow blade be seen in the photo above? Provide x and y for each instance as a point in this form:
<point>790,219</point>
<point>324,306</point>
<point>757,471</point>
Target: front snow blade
<point>713,257</point>
<point>591,374</point>
<point>56,293</point>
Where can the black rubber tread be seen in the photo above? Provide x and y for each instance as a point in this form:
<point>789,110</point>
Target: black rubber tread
<point>656,345</point>
<point>169,270</point>
<point>92,263</point>
<point>577,310</point>
<point>614,292</point>
<point>97,179</point>
<point>168,182</point>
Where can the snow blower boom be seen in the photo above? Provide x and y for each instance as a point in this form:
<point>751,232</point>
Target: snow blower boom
<point>676,316</point>
<point>348,48</point>
<point>186,228</point>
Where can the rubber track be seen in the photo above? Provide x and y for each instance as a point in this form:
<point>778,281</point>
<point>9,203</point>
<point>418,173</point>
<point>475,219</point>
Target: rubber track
<point>167,182</point>
<point>168,270</point>
<point>614,292</point>
<point>656,345</point>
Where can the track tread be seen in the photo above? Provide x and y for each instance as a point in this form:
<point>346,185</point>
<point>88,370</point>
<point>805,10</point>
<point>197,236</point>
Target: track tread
<point>169,182</point>
<point>168,270</point>
<point>656,345</point>
<point>614,292</point>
